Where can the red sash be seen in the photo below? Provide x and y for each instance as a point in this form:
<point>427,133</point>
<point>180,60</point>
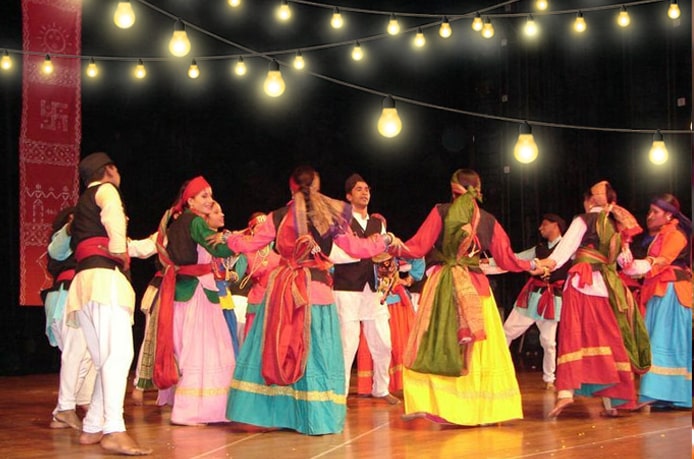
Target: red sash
<point>545,306</point>
<point>66,275</point>
<point>96,246</point>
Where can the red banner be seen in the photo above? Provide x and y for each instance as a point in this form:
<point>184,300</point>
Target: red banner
<point>51,131</point>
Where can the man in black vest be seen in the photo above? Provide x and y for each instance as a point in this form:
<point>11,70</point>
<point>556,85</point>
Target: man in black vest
<point>356,297</point>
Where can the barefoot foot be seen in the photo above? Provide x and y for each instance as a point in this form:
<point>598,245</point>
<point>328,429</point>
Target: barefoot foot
<point>90,438</point>
<point>561,404</point>
<point>122,443</point>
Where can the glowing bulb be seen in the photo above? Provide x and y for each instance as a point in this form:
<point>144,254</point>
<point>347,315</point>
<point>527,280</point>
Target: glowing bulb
<point>336,20</point>
<point>193,70</point>
<point>673,11</point>
<point>274,83</point>
<point>658,154</point>
<point>541,5</point>
<point>47,66</point>
<point>419,40</point>
<point>389,124</point>
<point>283,12</point>
<point>530,28</point>
<point>623,18</point>
<point>357,52</point>
<point>487,28</point>
<point>393,25</point>
<point>445,30</point>
<point>477,23</point>
<point>234,3</point>
<point>525,150</point>
<point>124,17</point>
<point>299,62</point>
<point>140,71</point>
<point>580,25</point>
<point>240,68</point>
<point>6,61</point>
<point>179,45</point>
<point>92,69</point>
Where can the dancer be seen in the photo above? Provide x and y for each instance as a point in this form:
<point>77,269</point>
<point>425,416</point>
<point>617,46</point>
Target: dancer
<point>101,300</point>
<point>667,298</point>
<point>458,368</point>
<point>194,355</point>
<point>299,381</point>
<point>602,339</point>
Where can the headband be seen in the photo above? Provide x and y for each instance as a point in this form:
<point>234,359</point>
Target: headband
<point>194,187</point>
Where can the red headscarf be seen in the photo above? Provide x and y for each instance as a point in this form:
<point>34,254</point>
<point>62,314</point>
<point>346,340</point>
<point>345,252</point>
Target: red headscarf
<point>194,187</point>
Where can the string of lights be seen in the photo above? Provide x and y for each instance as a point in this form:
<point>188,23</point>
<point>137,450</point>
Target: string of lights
<point>389,124</point>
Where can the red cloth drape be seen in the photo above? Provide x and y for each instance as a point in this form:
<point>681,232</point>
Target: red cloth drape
<point>51,132</point>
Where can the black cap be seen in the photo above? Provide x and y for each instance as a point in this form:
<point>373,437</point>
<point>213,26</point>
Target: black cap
<point>554,218</point>
<point>92,163</point>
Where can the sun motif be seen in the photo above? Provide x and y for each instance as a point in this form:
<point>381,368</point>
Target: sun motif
<point>53,38</point>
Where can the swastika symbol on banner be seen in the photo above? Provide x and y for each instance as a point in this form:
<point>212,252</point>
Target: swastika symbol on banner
<point>54,115</point>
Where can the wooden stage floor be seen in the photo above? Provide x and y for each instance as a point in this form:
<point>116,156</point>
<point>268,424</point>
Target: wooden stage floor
<point>373,430</point>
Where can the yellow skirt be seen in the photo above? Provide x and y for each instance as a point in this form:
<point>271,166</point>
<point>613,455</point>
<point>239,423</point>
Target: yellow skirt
<point>489,393</point>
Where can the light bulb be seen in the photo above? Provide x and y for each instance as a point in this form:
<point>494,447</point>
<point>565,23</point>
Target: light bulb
<point>623,18</point>
<point>336,20</point>
<point>240,67</point>
<point>357,52</point>
<point>580,25</point>
<point>6,61</point>
<point>541,5</point>
<point>92,69</point>
<point>530,28</point>
<point>274,83</point>
<point>140,71</point>
<point>283,12</point>
<point>477,23</point>
<point>389,123</point>
<point>299,62</point>
<point>419,40</point>
<point>47,66</point>
<point>193,70</point>
<point>525,150</point>
<point>673,11</point>
<point>234,3</point>
<point>445,30</point>
<point>658,154</point>
<point>393,25</point>
<point>124,17</point>
<point>179,45</point>
<point>487,28</point>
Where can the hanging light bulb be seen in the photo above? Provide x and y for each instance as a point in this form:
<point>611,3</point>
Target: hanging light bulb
<point>389,124</point>
<point>124,17</point>
<point>580,25</point>
<point>393,25</point>
<point>6,61</point>
<point>234,3</point>
<point>140,71</point>
<point>274,83</point>
<point>47,66</point>
<point>240,68</point>
<point>336,20</point>
<point>92,69</point>
<point>673,11</point>
<point>530,28</point>
<point>477,23</point>
<point>525,150</point>
<point>541,5</point>
<point>283,12</point>
<point>487,28</point>
<point>357,52</point>
<point>623,18</point>
<point>299,62</point>
<point>658,154</point>
<point>445,30</point>
<point>179,45</point>
<point>193,70</point>
<point>419,40</point>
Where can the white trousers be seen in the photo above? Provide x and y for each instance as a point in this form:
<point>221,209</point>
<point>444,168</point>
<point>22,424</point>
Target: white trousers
<point>108,333</point>
<point>364,307</point>
<point>516,324</point>
<point>77,373</point>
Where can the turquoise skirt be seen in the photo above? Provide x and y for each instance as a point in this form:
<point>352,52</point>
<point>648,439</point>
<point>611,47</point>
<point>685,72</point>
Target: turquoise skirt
<point>315,404</point>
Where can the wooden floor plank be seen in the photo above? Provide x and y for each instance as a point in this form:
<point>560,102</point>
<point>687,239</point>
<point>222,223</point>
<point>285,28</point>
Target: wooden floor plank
<point>373,430</point>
